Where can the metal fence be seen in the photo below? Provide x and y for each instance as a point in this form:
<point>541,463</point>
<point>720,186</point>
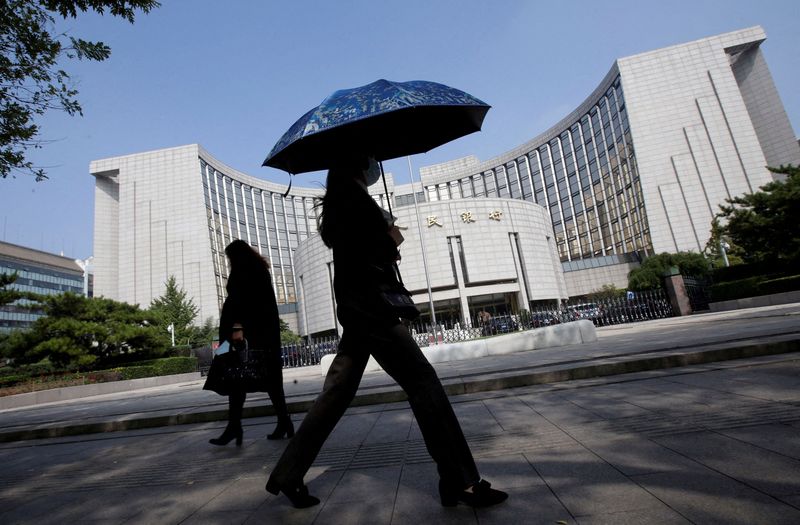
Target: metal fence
<point>652,304</point>
<point>699,291</point>
<point>642,306</point>
<point>308,353</point>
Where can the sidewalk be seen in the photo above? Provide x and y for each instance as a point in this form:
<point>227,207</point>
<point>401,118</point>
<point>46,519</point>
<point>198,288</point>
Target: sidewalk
<point>707,443</point>
<point>620,349</point>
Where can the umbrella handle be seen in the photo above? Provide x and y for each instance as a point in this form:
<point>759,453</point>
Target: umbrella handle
<point>386,189</point>
<point>291,175</point>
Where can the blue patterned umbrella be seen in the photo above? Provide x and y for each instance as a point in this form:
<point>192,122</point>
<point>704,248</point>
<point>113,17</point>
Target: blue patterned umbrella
<point>383,120</point>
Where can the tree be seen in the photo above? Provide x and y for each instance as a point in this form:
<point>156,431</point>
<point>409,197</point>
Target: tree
<point>607,291</point>
<point>82,332</point>
<point>651,273</point>
<point>31,81</point>
<point>203,335</point>
<point>713,248</point>
<point>766,224</point>
<point>8,296</point>
<point>174,308</point>
<point>287,336</point>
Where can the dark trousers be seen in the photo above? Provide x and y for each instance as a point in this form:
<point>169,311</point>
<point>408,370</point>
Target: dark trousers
<point>398,354</point>
<point>274,382</point>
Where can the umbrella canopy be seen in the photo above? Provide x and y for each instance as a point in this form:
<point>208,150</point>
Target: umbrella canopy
<point>383,120</point>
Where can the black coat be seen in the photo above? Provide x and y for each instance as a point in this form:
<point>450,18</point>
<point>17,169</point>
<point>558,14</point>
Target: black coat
<point>251,303</point>
<point>364,255</point>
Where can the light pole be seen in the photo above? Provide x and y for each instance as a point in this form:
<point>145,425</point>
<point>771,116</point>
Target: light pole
<point>723,249</point>
<point>422,245</point>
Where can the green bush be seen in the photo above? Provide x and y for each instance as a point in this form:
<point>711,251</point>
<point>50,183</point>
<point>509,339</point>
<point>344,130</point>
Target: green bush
<point>731,290</point>
<point>136,372</point>
<point>753,287</point>
<point>776,267</point>
<point>176,365</point>
<point>11,380</point>
<point>102,376</point>
<point>151,368</point>
<point>158,367</point>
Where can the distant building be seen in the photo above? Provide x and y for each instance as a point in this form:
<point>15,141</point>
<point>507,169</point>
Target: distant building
<point>38,272</point>
<point>639,168</point>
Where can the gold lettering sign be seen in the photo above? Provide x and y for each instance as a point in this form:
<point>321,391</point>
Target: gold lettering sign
<point>496,215</point>
<point>433,220</point>
<point>467,217</point>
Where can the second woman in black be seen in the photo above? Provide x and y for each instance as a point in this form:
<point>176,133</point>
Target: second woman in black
<point>250,313</point>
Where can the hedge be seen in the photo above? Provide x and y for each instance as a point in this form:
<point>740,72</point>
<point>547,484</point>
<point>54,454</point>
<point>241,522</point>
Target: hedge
<point>159,367</point>
<point>738,272</point>
<point>783,284</point>
<point>753,287</point>
<point>151,368</point>
<point>731,290</point>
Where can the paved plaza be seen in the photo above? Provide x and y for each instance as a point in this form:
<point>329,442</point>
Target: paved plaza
<point>713,442</point>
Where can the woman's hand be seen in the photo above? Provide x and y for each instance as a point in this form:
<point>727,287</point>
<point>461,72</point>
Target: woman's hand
<point>396,235</point>
<point>237,333</point>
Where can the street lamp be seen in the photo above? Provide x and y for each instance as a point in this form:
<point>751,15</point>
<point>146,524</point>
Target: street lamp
<point>723,249</point>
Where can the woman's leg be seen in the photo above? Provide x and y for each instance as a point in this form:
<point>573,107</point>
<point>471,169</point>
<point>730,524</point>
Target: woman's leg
<point>234,428</point>
<point>400,356</point>
<point>235,409</point>
<point>278,398</point>
<point>338,391</point>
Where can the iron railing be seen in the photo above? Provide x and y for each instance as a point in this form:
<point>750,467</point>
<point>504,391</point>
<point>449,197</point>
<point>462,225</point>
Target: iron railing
<point>699,291</point>
<point>642,306</point>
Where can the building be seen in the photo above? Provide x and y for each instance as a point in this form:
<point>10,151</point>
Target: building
<point>490,254</point>
<point>638,168</point>
<point>37,272</point>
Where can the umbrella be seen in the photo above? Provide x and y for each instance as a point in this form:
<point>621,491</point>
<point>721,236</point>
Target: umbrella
<point>383,120</point>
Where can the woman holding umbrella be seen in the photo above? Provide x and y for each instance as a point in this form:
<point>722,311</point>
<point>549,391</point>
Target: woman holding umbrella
<point>365,251</point>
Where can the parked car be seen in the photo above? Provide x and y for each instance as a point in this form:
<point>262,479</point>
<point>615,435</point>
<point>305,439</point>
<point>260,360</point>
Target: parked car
<point>502,324</point>
<point>539,319</point>
<point>589,311</point>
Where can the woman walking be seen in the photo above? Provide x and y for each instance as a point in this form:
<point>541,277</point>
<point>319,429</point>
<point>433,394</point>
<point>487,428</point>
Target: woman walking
<point>250,317</point>
<point>365,251</point>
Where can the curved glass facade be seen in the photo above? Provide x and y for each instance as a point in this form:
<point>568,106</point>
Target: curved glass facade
<point>265,219</point>
<point>585,176</point>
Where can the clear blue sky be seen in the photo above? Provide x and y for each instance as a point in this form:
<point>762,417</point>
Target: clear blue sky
<point>233,76</point>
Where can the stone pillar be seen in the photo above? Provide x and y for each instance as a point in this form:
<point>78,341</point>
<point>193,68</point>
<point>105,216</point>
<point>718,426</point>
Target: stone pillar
<point>676,291</point>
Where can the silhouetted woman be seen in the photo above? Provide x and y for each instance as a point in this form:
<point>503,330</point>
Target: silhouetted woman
<point>364,252</point>
<point>250,313</point>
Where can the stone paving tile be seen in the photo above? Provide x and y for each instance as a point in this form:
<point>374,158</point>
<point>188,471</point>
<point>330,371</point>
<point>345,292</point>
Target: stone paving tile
<point>229,517</point>
<point>392,425</point>
<point>633,456</point>
<point>506,472</point>
<point>764,470</point>
<point>243,495</point>
<point>662,515</point>
<point>367,485</point>
<point>418,502</point>
<point>175,506</point>
<point>706,497</point>
<point>780,438</point>
<point>531,505</point>
<point>587,485</point>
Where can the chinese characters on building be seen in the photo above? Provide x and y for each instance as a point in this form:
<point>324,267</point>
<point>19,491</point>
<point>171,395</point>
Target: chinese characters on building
<point>466,217</point>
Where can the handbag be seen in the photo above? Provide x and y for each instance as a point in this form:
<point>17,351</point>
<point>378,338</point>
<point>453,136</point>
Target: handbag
<point>398,299</point>
<point>237,370</point>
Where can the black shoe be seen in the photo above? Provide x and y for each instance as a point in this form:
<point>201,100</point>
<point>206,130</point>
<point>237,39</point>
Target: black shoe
<point>298,495</point>
<point>284,428</point>
<point>482,495</point>
<point>227,436</point>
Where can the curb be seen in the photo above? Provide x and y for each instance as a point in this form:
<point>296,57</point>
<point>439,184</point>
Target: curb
<point>611,366</point>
